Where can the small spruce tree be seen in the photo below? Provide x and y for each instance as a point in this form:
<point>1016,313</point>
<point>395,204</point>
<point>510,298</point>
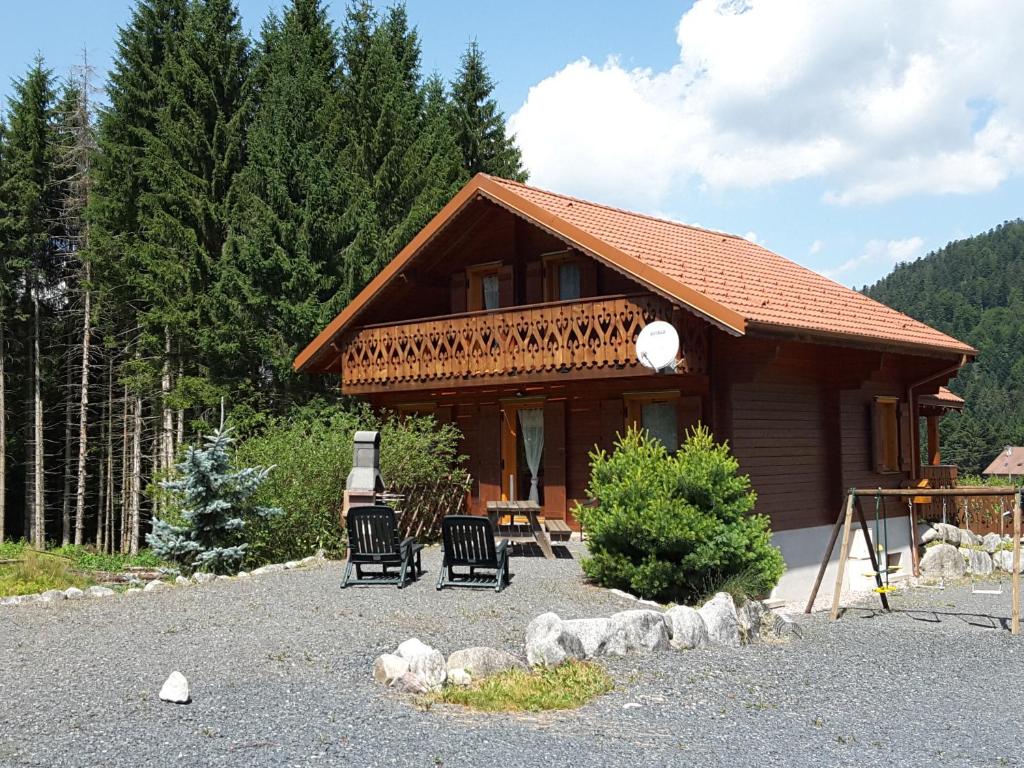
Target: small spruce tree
<point>214,503</point>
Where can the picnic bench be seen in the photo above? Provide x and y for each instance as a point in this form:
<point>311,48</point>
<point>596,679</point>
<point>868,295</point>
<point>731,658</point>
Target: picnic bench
<point>531,531</point>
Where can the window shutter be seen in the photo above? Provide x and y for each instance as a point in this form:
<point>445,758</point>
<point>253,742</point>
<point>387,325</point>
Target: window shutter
<point>906,446</point>
<point>458,293</point>
<point>877,438</point>
<point>534,282</point>
<point>506,297</point>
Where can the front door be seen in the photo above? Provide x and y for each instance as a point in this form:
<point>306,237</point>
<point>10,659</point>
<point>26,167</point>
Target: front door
<point>522,450</point>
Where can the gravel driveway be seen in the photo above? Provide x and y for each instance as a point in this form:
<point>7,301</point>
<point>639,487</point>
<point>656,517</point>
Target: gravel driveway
<point>280,673</point>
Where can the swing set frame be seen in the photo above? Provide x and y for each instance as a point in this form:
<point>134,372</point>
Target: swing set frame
<point>852,505</point>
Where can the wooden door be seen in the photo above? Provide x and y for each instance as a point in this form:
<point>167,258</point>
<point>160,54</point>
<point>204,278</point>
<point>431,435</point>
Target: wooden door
<point>510,448</point>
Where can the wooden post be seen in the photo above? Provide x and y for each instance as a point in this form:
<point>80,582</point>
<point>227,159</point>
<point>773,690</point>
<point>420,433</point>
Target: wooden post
<point>844,554</point>
<point>934,456</point>
<point>1015,612</point>
<point>825,559</point>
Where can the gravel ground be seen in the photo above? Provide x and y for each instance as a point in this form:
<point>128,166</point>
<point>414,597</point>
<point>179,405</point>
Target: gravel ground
<point>280,673</point>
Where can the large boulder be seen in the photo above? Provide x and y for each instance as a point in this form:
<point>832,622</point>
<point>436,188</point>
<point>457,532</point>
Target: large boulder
<point>481,661</point>
<point>943,560</point>
<point>969,539</point>
<point>388,667</point>
<point>991,542</point>
<point>1003,560</point>
<point>637,631</point>
<point>592,634</point>
<point>946,533</point>
<point>719,614</point>
<point>155,586</point>
<point>686,628</point>
<point>426,663</point>
<point>549,644</point>
<point>978,561</point>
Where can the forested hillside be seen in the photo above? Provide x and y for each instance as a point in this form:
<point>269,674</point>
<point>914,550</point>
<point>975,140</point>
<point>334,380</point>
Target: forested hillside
<point>170,241</point>
<point>974,290</point>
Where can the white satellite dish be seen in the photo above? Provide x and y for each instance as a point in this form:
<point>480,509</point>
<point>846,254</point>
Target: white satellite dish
<point>657,347</point>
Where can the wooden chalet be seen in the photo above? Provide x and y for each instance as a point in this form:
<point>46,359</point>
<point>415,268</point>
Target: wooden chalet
<point>514,314</point>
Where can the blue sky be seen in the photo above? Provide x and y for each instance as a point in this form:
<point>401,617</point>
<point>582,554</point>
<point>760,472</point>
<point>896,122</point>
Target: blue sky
<point>845,136</point>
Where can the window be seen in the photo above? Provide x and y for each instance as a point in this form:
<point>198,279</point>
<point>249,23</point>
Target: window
<point>886,428</point>
<point>483,287</point>
<point>563,277</point>
<point>658,413</point>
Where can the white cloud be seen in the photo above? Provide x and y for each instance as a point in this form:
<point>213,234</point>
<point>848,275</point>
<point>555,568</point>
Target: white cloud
<point>878,99</point>
<point>816,247</point>
<point>878,256</point>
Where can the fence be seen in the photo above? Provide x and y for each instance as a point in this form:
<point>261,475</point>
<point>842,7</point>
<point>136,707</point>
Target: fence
<point>425,504</point>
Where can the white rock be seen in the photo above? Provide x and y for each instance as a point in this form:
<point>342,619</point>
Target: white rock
<point>427,664</point>
<point>51,596</point>
<point>991,542</point>
<point>949,534</point>
<point>926,532</point>
<point>409,683</point>
<point>155,586</point>
<point>222,577</point>
<point>201,577</point>
<point>459,676</point>
<point>686,628</point>
<point>19,599</point>
<point>412,647</point>
<point>651,604</point>
<point>632,705</point>
<point>243,575</point>
<point>719,614</point>
<point>175,689</point>
<point>73,593</point>
<point>637,631</point>
<point>387,668</point>
<point>291,564</point>
<point>943,560</point>
<point>1003,560</point>
<point>978,562</point>
<point>99,592</point>
<point>625,595</point>
<point>133,591</point>
<point>481,661</point>
<point>181,581</point>
<point>549,644</point>
<point>749,616</point>
<point>592,634</point>
<point>272,568</point>
<point>969,539</point>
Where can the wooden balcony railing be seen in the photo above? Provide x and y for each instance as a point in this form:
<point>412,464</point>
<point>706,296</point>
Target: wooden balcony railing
<point>514,344</point>
<point>940,475</point>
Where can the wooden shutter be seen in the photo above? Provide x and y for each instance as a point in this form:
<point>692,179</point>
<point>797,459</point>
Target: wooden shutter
<point>534,282</point>
<point>554,459</point>
<point>588,277</point>
<point>458,289</point>
<point>506,295</point>
<point>489,450</point>
<point>906,448</point>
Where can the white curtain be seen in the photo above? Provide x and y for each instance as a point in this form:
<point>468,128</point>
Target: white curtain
<point>569,281</point>
<point>532,423</point>
<point>492,292</point>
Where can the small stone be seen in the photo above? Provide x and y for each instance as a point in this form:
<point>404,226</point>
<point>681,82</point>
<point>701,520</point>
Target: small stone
<point>387,668</point>
<point>155,586</point>
<point>19,599</point>
<point>412,647</point>
<point>549,644</point>
<point>175,689</point>
<point>181,581</point>
<point>481,661</point>
<point>73,593</point>
<point>592,634</point>
<point>719,614</point>
<point>201,577</point>
<point>425,663</point>
<point>291,564</point>
<point>459,677</point>
<point>133,591</point>
<point>686,628</point>
<point>409,683</point>
<point>637,631</point>
<point>51,596</point>
<point>632,705</point>
<point>943,560</point>
<point>99,592</point>
<point>272,568</point>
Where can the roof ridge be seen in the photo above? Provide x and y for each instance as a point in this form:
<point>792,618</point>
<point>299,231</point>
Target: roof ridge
<point>625,211</point>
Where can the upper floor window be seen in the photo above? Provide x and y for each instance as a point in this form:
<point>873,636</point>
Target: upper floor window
<point>483,287</point>
<point>563,277</point>
<point>886,429</point>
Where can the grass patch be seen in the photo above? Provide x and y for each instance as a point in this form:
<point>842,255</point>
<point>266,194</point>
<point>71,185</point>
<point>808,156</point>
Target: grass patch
<point>743,586</point>
<point>36,572</point>
<point>87,560</point>
<point>569,686</point>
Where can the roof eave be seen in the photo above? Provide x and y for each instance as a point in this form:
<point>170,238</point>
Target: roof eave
<point>865,341</point>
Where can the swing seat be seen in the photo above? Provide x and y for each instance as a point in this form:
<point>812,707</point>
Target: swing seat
<point>884,590</point>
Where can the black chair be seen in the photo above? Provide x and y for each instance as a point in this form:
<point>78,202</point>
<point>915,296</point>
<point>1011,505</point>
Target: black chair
<point>373,539</point>
<point>469,543</point>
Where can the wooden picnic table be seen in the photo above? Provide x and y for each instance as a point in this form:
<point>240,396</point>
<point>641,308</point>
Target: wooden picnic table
<point>534,531</point>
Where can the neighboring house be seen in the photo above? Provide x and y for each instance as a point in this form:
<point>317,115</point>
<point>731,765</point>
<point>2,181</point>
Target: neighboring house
<point>514,313</point>
<point>1010,462</point>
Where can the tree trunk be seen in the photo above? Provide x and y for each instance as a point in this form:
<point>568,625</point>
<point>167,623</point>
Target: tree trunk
<point>136,476</point>
<point>83,413</point>
<point>39,500</point>
<point>101,485</point>
<point>3,425</point>
<point>167,429</point>
<point>125,482</point>
<point>69,414</point>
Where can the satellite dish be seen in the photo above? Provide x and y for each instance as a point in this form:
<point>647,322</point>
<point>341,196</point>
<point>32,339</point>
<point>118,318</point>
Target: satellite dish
<point>657,347</point>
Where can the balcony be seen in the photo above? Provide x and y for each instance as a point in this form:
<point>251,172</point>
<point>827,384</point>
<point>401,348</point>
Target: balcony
<point>592,338</point>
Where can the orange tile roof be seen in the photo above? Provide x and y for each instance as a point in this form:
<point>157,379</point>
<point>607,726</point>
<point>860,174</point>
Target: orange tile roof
<point>763,287</point>
<point>1010,461</point>
<point>944,398</point>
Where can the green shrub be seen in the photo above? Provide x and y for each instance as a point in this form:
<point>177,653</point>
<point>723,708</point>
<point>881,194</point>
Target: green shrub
<point>86,559</point>
<point>675,527</point>
<point>311,452</point>
<point>35,572</point>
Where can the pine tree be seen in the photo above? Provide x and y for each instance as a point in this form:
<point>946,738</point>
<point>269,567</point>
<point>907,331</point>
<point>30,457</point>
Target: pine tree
<point>283,258</point>
<point>6,286</point>
<point>214,505</point>
<point>479,125</point>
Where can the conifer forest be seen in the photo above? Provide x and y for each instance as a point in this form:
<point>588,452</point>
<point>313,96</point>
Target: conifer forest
<point>170,238</point>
